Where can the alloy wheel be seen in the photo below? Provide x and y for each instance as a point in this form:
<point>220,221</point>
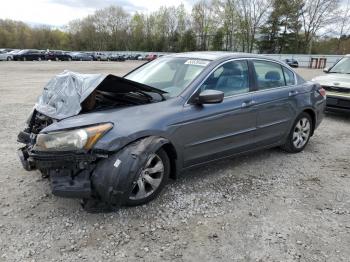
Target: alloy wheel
<point>301,132</point>
<point>150,178</point>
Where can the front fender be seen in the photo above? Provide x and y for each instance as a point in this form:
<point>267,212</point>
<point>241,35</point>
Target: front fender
<point>112,143</point>
<point>113,178</point>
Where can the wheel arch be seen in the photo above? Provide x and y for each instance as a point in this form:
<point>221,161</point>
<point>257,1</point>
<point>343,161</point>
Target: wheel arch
<point>172,154</point>
<point>312,114</point>
<point>168,147</point>
<point>164,143</point>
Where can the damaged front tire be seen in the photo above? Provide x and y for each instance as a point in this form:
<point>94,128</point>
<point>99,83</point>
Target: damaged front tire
<point>133,176</point>
<point>151,180</point>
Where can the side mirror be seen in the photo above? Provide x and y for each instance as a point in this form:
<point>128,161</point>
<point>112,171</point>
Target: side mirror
<point>326,70</point>
<point>210,96</point>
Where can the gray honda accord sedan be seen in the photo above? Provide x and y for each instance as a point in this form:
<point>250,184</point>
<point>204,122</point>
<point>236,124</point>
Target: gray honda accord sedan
<point>114,141</point>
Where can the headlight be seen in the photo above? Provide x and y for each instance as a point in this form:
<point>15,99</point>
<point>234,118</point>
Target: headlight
<point>83,138</point>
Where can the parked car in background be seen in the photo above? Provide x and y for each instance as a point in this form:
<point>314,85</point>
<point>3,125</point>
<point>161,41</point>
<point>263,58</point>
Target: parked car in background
<point>116,57</point>
<point>151,57</point>
<point>292,62</point>
<point>57,55</point>
<point>336,82</point>
<point>5,56</point>
<point>126,56</point>
<point>99,56</point>
<point>29,55</point>
<point>80,56</point>
<point>12,53</point>
<point>117,140</point>
<point>134,56</point>
<point>141,57</point>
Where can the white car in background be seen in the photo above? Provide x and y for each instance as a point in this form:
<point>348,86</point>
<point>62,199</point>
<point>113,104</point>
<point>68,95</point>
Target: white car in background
<point>5,56</point>
<point>336,82</point>
<point>9,54</point>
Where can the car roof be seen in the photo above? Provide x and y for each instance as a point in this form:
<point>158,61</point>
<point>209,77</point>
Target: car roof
<point>213,55</point>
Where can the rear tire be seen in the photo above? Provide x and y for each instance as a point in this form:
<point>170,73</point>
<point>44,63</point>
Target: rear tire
<point>299,135</point>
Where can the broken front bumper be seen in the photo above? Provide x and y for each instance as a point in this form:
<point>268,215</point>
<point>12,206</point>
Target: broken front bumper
<point>69,173</point>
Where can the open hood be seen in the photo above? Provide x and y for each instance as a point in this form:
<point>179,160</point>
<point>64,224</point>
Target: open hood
<point>64,94</point>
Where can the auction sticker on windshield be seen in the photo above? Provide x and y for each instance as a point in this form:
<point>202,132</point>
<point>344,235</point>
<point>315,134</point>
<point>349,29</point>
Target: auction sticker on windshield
<point>197,62</point>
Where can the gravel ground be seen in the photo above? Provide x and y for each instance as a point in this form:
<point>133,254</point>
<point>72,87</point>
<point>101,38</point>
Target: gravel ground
<point>267,206</point>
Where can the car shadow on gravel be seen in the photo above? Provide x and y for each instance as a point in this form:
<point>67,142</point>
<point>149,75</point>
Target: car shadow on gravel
<point>227,164</point>
<point>338,115</point>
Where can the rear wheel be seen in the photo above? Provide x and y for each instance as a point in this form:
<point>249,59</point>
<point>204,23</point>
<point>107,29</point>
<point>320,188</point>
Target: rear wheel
<point>152,178</point>
<point>299,135</point>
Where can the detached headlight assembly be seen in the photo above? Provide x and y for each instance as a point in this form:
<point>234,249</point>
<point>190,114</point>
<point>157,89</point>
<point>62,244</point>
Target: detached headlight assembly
<point>71,140</point>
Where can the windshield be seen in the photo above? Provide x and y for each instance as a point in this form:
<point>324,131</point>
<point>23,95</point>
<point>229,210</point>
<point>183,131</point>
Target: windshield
<point>342,67</point>
<point>170,74</point>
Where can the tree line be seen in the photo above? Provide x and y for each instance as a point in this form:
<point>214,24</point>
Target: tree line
<point>265,26</point>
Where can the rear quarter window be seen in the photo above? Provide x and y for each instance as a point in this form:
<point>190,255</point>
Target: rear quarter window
<point>289,76</point>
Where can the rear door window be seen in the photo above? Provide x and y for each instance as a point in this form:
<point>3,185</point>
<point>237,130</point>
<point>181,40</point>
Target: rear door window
<point>268,74</point>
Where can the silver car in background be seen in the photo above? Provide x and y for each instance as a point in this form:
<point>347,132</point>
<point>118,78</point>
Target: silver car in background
<point>7,56</point>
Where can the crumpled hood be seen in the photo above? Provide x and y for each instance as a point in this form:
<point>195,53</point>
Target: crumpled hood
<point>341,80</point>
<point>63,94</point>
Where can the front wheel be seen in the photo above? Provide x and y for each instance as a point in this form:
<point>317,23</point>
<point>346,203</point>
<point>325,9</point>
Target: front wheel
<point>299,135</point>
<point>152,178</point>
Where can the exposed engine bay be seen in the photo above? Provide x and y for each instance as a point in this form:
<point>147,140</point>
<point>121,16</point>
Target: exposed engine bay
<point>71,93</point>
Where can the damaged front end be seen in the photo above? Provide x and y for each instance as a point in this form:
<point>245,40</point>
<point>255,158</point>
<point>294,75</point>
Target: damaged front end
<point>67,156</point>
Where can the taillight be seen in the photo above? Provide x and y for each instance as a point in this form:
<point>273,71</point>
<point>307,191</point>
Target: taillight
<point>322,92</point>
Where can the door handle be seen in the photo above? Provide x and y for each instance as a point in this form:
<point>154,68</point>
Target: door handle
<point>293,93</point>
<point>248,103</point>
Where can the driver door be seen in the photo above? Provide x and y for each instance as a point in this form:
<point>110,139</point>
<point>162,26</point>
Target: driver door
<point>214,131</point>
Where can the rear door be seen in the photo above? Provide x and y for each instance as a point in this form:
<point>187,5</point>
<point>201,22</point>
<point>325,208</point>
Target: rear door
<point>274,99</point>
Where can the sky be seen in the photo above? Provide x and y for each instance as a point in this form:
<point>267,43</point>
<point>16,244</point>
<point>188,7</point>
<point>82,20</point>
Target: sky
<point>60,12</point>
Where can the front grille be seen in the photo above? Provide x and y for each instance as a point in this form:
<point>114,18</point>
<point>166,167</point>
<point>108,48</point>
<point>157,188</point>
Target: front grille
<point>69,157</point>
<point>337,89</point>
